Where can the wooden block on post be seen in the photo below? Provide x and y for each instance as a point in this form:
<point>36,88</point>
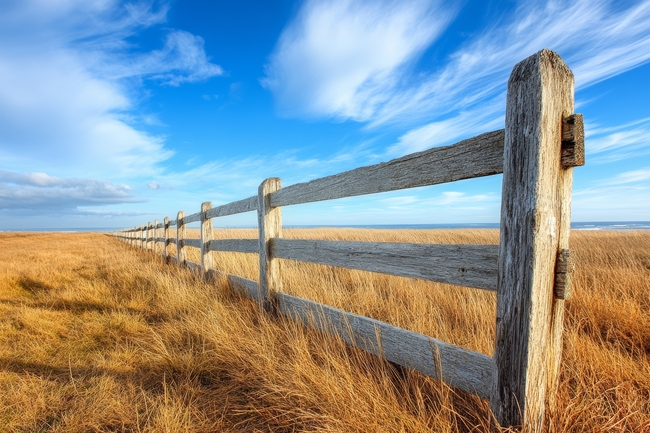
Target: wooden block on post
<point>535,218</point>
<point>180,236</point>
<point>207,262</point>
<point>269,221</point>
<point>573,141</point>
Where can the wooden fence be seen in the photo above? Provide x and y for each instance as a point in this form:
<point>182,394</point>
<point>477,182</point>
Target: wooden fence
<point>529,269</point>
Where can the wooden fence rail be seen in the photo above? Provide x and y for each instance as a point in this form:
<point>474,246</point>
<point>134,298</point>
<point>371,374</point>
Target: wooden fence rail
<point>529,269</point>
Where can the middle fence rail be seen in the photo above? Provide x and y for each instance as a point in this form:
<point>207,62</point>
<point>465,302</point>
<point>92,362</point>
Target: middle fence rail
<point>541,95</point>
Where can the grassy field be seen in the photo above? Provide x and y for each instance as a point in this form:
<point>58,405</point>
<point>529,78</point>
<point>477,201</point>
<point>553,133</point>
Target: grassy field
<point>98,336</point>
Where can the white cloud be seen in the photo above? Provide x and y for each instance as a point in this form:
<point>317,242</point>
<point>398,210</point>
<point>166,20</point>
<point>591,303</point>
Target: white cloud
<point>442,132</point>
<point>611,203</point>
<point>48,193</point>
<point>632,176</point>
<point>618,142</point>
<point>597,38</point>
<point>343,58</point>
<point>69,78</point>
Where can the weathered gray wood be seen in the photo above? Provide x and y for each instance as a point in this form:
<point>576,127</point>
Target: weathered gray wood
<point>149,245</point>
<point>248,287</point>
<point>154,244</point>
<point>192,266</point>
<point>534,217</point>
<point>180,238</point>
<point>460,368</point>
<point>573,141</point>
<point>235,245</point>
<point>189,242</point>
<point>207,259</point>
<point>563,270</point>
<point>173,222</point>
<point>269,221</point>
<point>171,241</point>
<point>192,218</point>
<point>166,238</point>
<point>474,157</point>
<point>245,205</point>
<point>462,265</point>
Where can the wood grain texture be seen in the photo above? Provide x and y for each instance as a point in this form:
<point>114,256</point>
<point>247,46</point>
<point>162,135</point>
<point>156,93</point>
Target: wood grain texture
<point>245,286</point>
<point>180,238</point>
<point>189,242</point>
<point>149,235</point>
<point>173,222</point>
<point>573,141</point>
<point>241,206</point>
<point>207,259</point>
<point>460,368</point>
<point>192,218</point>
<point>192,266</point>
<point>154,243</point>
<point>534,218</point>
<point>235,245</point>
<point>269,220</point>
<point>166,238</point>
<point>462,265</point>
<point>563,271</point>
<point>474,157</point>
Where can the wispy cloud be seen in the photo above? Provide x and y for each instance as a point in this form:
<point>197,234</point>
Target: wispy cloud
<point>69,80</point>
<point>341,58</point>
<point>632,176</point>
<point>613,143</point>
<point>47,193</point>
<point>333,60</point>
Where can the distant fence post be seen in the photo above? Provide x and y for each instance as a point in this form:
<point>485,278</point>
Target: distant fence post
<point>141,237</point>
<point>155,236</point>
<point>535,218</point>
<point>166,231</point>
<point>180,237</point>
<point>148,244</point>
<point>269,221</point>
<point>207,259</point>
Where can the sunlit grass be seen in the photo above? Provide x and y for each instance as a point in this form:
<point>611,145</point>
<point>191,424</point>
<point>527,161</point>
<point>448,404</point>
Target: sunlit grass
<point>98,336</point>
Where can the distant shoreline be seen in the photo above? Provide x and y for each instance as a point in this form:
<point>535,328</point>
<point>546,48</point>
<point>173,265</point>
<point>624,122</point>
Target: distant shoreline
<point>609,225</point>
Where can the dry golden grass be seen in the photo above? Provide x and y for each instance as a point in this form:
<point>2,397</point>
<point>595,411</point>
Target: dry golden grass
<point>98,336</point>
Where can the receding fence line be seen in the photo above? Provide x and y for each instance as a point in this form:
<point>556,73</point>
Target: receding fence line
<point>529,269</point>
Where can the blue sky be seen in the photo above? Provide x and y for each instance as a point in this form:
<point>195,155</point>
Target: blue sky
<point>117,113</point>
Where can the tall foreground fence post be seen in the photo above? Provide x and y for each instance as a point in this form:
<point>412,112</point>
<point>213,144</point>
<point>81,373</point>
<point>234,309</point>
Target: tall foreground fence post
<point>180,237</point>
<point>269,221</point>
<point>207,261</point>
<point>535,222</point>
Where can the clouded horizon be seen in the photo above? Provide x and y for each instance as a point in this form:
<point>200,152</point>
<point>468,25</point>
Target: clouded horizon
<point>114,113</point>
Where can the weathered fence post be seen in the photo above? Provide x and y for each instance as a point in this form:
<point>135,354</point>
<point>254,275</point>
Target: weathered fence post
<point>166,231</point>
<point>535,222</point>
<point>207,259</point>
<point>180,238</point>
<point>269,221</point>
<point>149,231</point>
<point>155,236</point>
<point>141,237</point>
